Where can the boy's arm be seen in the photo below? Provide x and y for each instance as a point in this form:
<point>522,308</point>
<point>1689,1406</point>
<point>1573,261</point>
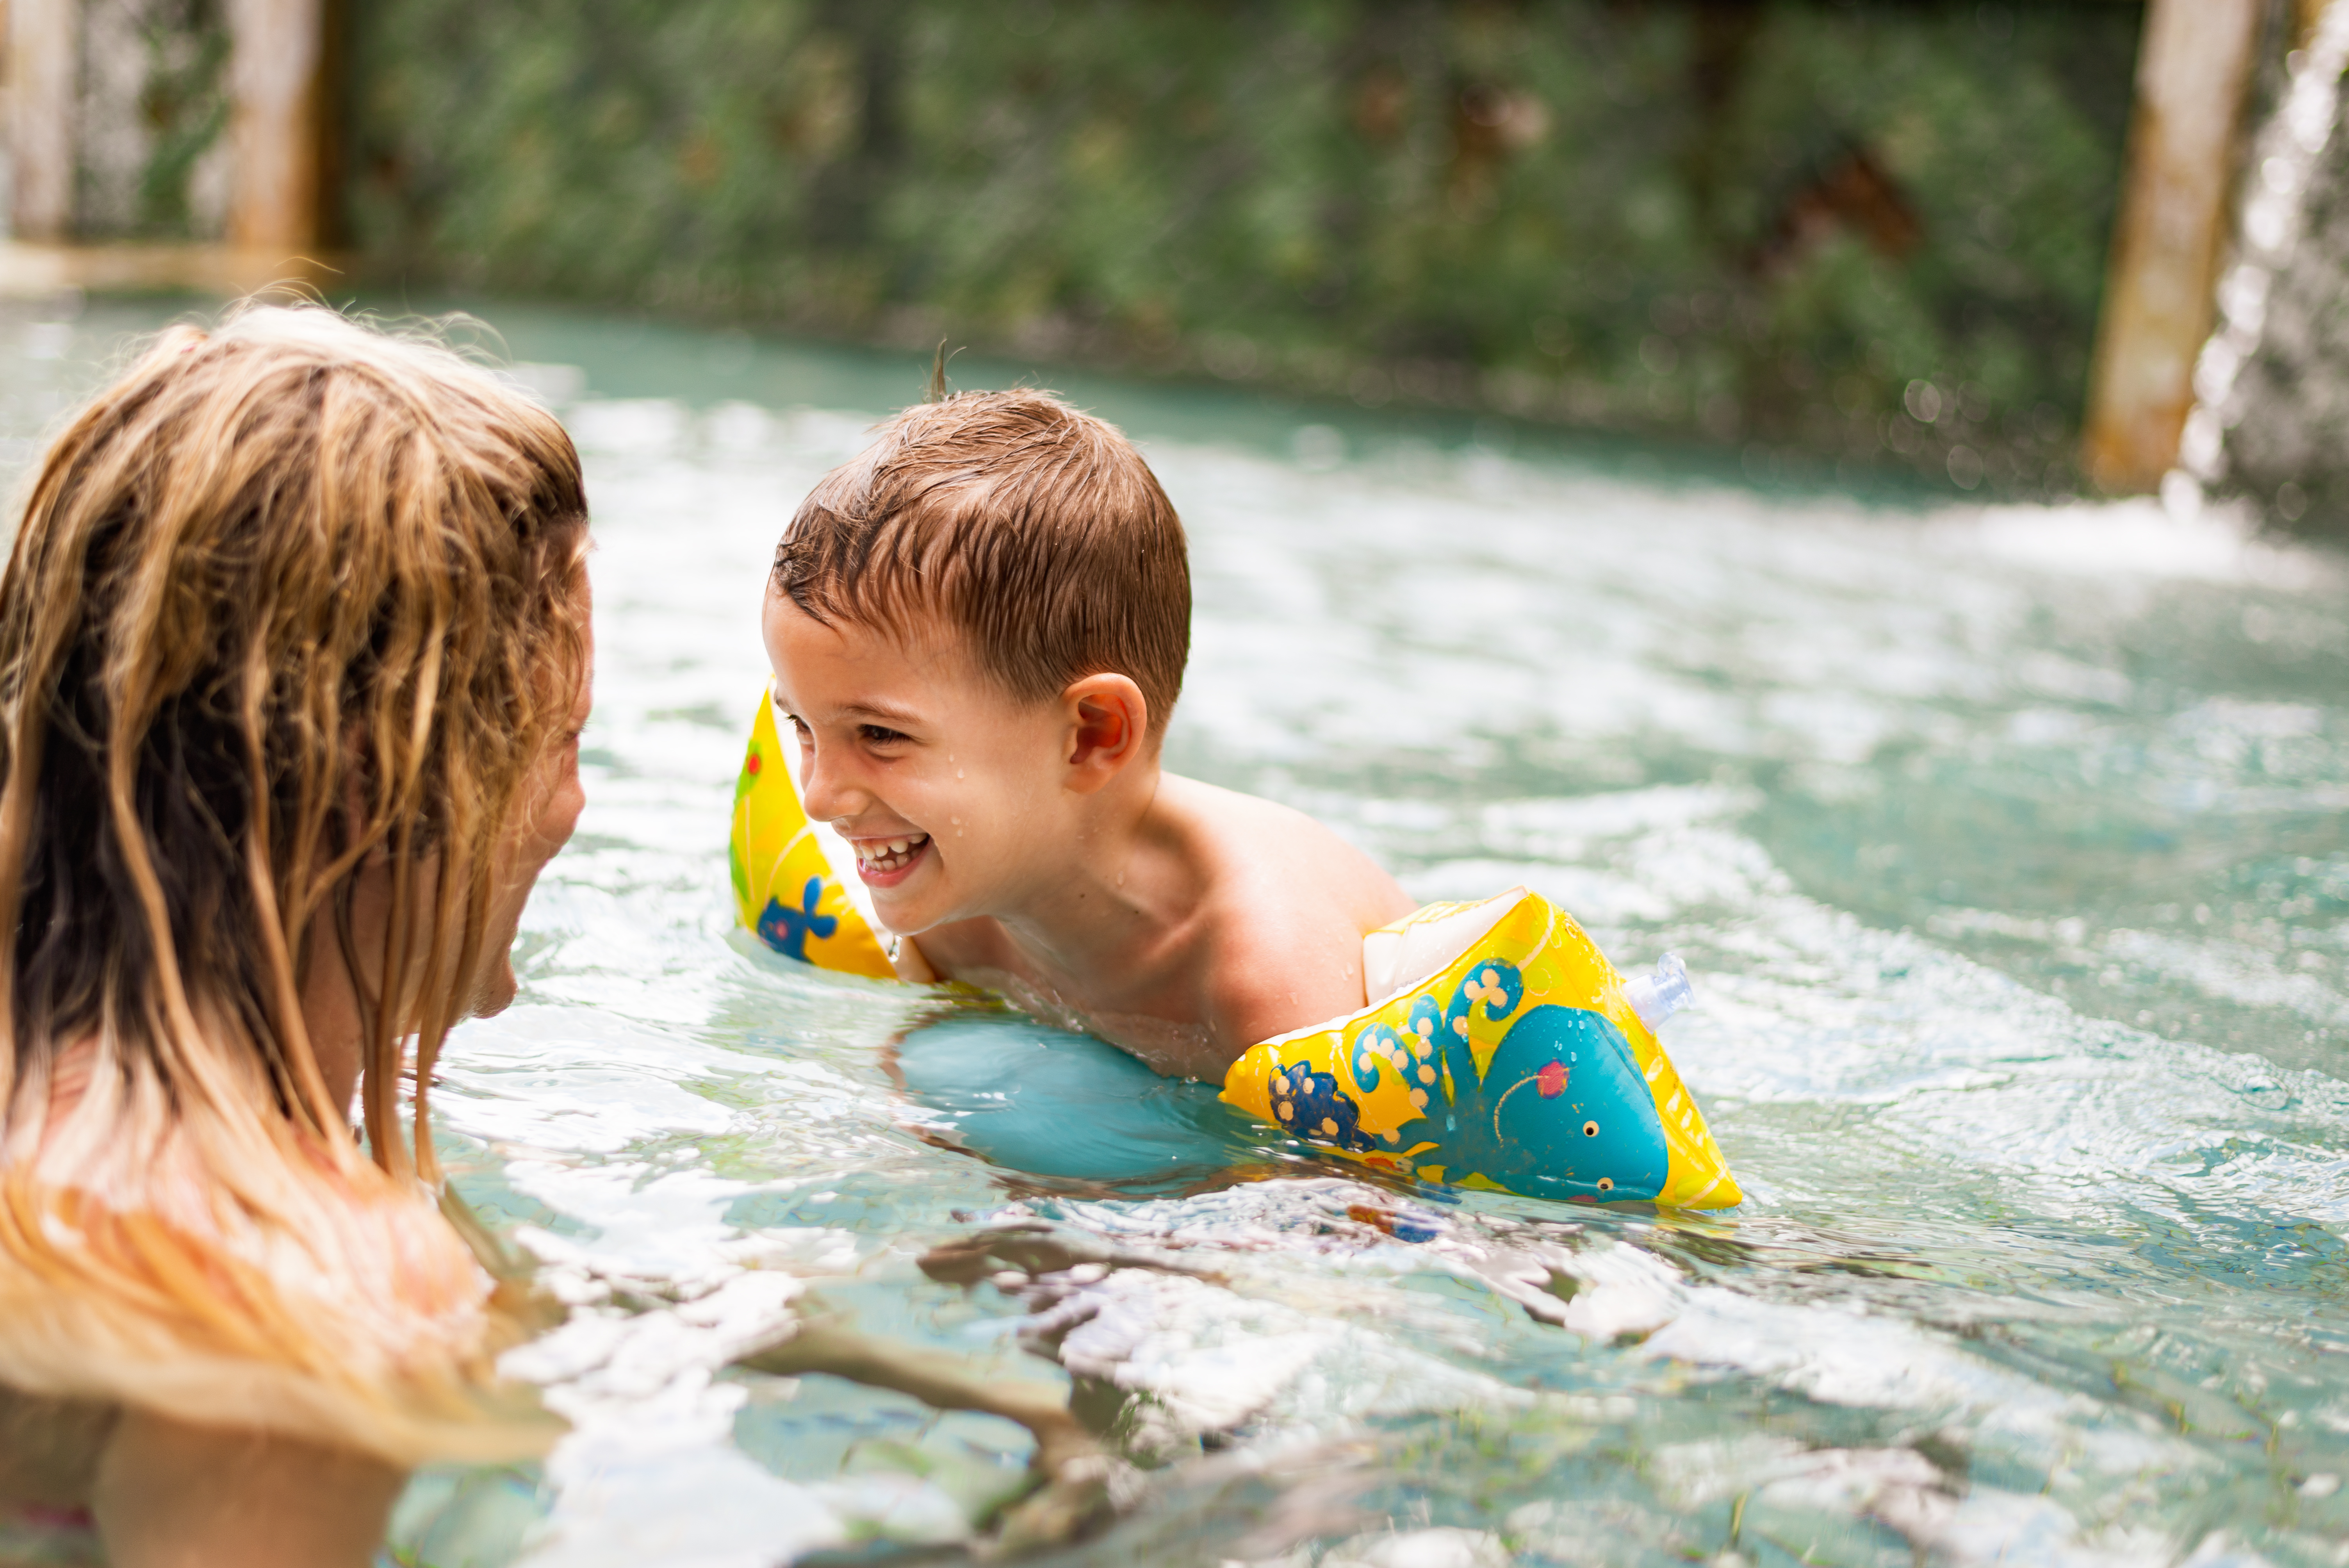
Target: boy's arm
<point>1267,981</point>
<point>1288,946</point>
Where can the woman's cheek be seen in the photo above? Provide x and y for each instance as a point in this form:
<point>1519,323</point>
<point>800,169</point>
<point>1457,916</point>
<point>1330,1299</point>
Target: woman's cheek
<point>552,817</point>
<point>571,800</point>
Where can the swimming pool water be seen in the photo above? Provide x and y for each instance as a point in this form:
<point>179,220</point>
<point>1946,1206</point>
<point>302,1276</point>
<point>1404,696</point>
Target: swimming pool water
<point>2007,845</point>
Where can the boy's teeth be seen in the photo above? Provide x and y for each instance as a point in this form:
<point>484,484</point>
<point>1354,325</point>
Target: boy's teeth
<point>885,855</point>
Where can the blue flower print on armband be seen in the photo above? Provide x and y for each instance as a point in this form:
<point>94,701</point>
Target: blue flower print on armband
<point>1311,1106</point>
<point>1378,1047</point>
<point>1409,1055</point>
<point>1438,1038</point>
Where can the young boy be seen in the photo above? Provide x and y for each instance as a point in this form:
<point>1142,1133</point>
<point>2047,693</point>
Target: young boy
<point>978,628</point>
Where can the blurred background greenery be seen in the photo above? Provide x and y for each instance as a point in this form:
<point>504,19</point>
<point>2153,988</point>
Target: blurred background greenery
<point>1835,234</point>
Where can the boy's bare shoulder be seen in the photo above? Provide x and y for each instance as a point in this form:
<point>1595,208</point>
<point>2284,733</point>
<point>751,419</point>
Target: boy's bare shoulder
<point>1275,853</point>
<point>1287,905</point>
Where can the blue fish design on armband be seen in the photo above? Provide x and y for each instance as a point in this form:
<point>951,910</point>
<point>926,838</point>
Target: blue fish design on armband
<point>1562,1108</point>
<point>787,929</point>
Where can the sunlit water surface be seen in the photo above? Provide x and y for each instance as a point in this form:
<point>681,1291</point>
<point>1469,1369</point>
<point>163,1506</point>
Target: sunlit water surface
<point>2007,846</point>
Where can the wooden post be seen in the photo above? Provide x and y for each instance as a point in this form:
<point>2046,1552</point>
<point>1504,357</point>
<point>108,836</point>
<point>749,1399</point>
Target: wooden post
<point>44,70</point>
<point>2194,71</point>
<point>276,120</point>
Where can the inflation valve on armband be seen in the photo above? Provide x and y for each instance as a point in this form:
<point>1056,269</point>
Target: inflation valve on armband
<point>1658,996</point>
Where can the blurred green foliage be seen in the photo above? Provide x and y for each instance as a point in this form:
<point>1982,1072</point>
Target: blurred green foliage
<point>1864,231</point>
<point>182,108</point>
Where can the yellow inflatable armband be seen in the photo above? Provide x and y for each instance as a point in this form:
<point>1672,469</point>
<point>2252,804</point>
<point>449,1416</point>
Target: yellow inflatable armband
<point>784,886</point>
<point>1502,1050</point>
<point>1516,1060</point>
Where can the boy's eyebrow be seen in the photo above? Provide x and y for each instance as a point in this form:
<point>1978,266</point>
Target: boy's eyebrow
<point>881,710</point>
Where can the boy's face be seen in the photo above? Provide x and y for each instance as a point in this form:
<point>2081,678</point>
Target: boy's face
<point>948,789</point>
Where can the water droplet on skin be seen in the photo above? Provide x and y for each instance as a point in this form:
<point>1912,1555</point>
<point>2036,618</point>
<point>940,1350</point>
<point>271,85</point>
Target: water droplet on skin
<point>958,772</point>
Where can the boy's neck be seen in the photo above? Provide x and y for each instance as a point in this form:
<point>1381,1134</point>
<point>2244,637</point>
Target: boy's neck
<point>1122,890</point>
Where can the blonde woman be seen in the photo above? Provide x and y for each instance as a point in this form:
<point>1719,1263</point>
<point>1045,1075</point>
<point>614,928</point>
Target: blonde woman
<point>294,658</point>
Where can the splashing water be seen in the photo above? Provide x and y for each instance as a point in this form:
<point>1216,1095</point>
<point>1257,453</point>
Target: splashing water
<point>2006,846</point>
<point>2270,406</point>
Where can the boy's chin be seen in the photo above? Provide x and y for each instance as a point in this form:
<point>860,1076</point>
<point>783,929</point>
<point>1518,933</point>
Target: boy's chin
<point>908,910</point>
<point>903,916</point>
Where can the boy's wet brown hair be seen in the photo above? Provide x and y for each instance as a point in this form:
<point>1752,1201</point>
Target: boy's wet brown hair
<point>1033,526</point>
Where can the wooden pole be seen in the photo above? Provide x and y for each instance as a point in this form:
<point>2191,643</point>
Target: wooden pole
<point>2194,71</point>
<point>276,120</point>
<point>44,70</point>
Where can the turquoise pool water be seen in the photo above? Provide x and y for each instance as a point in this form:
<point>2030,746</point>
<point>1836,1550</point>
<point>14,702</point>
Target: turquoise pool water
<point>2007,846</point>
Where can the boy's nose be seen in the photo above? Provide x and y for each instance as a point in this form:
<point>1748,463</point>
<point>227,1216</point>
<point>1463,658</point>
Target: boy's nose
<point>823,794</point>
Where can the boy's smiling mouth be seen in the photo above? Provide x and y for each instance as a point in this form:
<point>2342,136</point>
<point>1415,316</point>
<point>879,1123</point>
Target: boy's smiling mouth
<point>886,862</point>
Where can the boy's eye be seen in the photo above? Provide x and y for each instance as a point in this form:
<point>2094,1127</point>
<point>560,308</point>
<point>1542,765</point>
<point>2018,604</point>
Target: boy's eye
<point>878,735</point>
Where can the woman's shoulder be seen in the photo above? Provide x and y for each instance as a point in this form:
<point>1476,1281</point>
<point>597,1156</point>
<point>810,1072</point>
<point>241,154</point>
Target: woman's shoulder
<point>247,1276</point>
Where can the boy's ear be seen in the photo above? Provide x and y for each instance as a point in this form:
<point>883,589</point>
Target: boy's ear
<point>1109,729</point>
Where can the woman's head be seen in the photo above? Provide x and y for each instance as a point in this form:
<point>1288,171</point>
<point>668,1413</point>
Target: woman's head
<point>293,648</point>
<point>295,602</point>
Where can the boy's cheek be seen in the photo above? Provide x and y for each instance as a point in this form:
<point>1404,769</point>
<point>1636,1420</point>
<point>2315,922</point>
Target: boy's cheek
<point>983,818</point>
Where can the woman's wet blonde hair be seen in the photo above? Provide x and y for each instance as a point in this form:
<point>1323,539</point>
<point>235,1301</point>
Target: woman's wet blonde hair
<point>291,597</point>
